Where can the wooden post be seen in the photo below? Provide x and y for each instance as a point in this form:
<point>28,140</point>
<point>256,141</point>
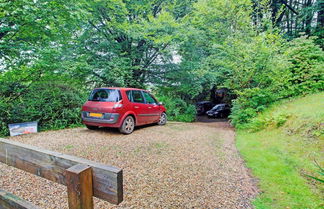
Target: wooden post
<point>79,186</point>
<point>107,180</point>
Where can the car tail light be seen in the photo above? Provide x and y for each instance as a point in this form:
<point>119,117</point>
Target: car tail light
<point>118,105</point>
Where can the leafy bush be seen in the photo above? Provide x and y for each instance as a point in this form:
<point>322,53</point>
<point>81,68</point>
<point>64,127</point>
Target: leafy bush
<point>299,71</point>
<point>178,109</point>
<point>4,114</point>
<point>53,104</point>
<point>264,121</point>
<point>249,103</point>
<point>307,66</point>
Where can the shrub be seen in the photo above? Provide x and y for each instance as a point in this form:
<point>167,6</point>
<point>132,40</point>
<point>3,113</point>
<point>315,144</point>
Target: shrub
<point>4,114</point>
<point>249,103</point>
<point>178,109</point>
<point>53,104</point>
<point>307,64</point>
<point>302,74</point>
<point>264,121</point>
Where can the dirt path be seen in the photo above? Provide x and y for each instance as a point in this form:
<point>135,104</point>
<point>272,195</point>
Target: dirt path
<point>175,166</point>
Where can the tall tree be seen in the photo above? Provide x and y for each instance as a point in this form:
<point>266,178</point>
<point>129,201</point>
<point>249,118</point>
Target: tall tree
<point>125,38</point>
<point>26,26</point>
<point>293,17</point>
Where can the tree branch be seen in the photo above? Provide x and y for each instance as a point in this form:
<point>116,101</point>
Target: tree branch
<point>99,30</point>
<point>289,7</point>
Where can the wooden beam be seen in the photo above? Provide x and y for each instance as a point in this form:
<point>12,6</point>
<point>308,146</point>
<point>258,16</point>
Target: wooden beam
<point>79,187</point>
<point>107,180</point>
<point>10,201</point>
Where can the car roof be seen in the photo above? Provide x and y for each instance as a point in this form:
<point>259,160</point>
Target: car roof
<point>121,88</point>
<point>218,105</point>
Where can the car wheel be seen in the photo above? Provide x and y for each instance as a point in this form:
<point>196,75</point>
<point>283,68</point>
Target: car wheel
<point>128,125</point>
<point>163,119</point>
<point>92,127</point>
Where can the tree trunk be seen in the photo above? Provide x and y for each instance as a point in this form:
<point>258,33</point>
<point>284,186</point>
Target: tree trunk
<point>320,16</point>
<point>309,17</point>
<point>274,8</point>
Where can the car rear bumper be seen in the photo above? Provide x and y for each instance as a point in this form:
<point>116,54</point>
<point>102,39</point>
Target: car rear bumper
<point>108,119</point>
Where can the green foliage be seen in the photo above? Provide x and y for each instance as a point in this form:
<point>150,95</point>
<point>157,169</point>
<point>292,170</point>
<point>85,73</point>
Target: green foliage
<point>259,123</point>
<point>53,104</point>
<point>254,69</point>
<point>27,26</point>
<point>4,114</point>
<point>260,67</point>
<point>297,72</point>
<point>182,48</point>
<point>282,158</point>
<point>203,45</point>
<point>294,18</point>
<point>307,66</point>
<point>178,109</point>
<point>120,42</point>
<point>320,172</point>
<point>249,103</point>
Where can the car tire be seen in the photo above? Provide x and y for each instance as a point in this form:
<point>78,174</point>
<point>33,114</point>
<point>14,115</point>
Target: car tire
<point>128,125</point>
<point>163,119</point>
<point>92,127</point>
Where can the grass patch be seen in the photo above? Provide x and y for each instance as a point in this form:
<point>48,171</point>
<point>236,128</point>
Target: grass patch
<point>68,147</point>
<point>160,145</point>
<point>281,156</point>
<point>178,127</point>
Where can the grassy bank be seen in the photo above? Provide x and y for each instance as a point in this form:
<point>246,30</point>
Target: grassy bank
<point>280,146</point>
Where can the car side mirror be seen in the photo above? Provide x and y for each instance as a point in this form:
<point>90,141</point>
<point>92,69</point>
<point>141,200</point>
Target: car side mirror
<point>160,103</point>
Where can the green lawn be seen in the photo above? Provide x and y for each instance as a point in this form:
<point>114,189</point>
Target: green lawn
<point>281,157</point>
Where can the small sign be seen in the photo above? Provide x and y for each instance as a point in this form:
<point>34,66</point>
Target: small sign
<point>22,128</point>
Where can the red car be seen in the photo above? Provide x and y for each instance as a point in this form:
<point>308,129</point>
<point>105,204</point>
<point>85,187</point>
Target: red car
<point>122,108</point>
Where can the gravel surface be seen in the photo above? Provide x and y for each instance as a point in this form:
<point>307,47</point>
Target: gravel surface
<point>179,165</point>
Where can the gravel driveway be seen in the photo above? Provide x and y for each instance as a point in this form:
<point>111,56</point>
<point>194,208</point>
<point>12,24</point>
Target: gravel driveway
<point>179,165</point>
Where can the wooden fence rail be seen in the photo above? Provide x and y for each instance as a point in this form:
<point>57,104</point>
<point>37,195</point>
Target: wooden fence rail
<point>8,201</point>
<point>83,178</point>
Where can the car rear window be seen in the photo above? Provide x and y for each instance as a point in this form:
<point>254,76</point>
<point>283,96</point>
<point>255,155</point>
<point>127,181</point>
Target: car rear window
<point>105,95</point>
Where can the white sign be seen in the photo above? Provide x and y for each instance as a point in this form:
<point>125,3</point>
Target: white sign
<point>22,128</point>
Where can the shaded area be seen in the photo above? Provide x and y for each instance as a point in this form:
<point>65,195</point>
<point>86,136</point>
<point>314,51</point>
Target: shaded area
<point>205,119</point>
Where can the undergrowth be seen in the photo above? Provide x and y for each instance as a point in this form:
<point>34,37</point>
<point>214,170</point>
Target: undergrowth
<point>281,146</point>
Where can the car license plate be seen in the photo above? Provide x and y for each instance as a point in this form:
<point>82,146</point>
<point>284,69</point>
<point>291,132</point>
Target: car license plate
<point>96,115</point>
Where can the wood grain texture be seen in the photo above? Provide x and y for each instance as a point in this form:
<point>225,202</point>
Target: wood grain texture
<point>10,201</point>
<point>79,187</point>
<point>107,180</point>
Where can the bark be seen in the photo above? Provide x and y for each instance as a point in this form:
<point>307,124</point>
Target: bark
<point>309,17</point>
<point>320,15</point>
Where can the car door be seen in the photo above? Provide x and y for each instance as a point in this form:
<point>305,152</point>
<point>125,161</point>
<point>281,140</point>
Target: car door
<point>153,113</point>
<point>138,106</point>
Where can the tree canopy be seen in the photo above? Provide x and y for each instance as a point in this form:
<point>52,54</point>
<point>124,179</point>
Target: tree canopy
<point>261,50</point>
